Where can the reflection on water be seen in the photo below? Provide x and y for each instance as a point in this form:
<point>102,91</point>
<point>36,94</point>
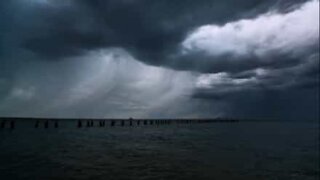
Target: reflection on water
<point>266,150</point>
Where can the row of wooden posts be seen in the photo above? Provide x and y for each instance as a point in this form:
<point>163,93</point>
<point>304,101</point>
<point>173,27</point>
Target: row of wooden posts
<point>103,123</point>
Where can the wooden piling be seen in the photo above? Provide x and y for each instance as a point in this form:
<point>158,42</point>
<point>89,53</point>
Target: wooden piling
<point>88,123</point>
<point>12,124</point>
<point>46,124</point>
<point>101,123</point>
<point>56,124</point>
<point>36,125</point>
<point>3,124</point>
<point>79,124</point>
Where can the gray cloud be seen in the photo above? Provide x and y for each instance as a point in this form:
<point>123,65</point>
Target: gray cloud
<point>144,58</point>
<point>291,92</point>
<point>272,40</point>
<point>102,83</point>
<point>148,29</point>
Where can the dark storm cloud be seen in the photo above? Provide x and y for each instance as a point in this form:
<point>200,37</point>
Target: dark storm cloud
<point>303,75</point>
<point>289,93</point>
<point>151,30</point>
<point>267,50</point>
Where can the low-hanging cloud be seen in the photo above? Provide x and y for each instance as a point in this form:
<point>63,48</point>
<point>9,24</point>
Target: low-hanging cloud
<point>103,83</point>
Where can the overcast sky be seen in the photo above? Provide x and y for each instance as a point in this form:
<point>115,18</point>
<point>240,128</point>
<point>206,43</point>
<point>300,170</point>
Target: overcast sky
<point>160,58</point>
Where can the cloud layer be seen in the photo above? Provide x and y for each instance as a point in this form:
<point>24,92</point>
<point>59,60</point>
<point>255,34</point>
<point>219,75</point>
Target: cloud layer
<point>150,58</point>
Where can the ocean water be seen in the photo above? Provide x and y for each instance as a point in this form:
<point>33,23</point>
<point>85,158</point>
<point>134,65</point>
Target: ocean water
<point>245,150</point>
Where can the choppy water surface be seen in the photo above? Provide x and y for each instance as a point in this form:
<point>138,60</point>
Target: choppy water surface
<point>266,150</point>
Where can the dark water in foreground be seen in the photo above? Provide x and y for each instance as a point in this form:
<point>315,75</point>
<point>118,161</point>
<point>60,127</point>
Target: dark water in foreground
<point>266,150</point>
